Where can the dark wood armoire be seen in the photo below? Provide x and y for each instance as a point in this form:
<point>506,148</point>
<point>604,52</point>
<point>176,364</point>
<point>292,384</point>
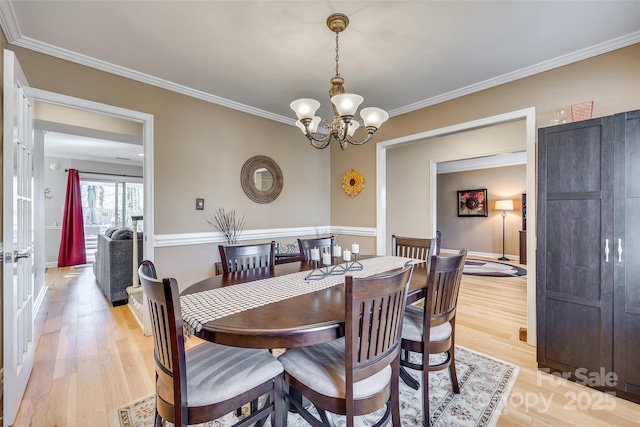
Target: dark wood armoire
<point>588,255</point>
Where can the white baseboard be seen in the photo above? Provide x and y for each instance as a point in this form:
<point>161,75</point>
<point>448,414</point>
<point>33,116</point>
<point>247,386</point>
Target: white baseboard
<point>40,297</point>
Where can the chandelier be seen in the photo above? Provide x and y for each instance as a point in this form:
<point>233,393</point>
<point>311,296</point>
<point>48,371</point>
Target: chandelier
<point>343,126</point>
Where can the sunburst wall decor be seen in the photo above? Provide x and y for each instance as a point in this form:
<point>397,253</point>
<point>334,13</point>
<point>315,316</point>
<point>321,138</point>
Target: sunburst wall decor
<point>353,182</point>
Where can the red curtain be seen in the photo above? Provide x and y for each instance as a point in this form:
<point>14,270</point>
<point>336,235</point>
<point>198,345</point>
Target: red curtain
<point>72,250</point>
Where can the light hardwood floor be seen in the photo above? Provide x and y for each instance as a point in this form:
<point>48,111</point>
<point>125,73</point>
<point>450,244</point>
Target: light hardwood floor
<point>91,358</point>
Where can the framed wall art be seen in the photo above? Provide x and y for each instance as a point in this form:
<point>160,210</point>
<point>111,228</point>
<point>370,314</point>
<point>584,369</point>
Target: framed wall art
<point>472,202</point>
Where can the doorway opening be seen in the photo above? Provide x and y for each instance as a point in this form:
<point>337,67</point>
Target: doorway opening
<point>429,201</point>
<point>106,113</point>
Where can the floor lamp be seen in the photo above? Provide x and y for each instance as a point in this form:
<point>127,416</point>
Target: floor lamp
<point>504,206</point>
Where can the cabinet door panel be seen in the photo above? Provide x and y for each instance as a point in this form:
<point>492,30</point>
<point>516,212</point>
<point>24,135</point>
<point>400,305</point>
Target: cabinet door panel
<point>575,221</point>
<point>576,326</point>
<point>573,248</point>
<point>627,265</point>
<point>574,160</point>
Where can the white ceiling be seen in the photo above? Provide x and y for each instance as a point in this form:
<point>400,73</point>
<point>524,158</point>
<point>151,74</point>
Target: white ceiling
<point>258,56</point>
<point>81,147</point>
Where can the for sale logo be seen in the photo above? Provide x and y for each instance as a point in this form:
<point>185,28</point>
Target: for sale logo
<point>582,400</point>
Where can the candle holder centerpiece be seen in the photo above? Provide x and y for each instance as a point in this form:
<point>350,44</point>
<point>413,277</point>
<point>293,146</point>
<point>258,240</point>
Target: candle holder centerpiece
<point>354,265</point>
<point>336,268</point>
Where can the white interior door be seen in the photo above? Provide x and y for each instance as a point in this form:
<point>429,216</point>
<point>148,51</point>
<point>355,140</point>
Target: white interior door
<point>17,226</point>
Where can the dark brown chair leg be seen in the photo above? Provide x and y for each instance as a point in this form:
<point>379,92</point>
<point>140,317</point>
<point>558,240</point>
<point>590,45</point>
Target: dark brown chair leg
<point>395,392</point>
<point>453,373</point>
<point>425,396</point>
<point>279,414</point>
<point>408,379</point>
<point>327,419</point>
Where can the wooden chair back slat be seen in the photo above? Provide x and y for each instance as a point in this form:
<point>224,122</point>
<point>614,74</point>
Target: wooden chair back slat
<point>324,244</point>
<point>374,307</point>
<point>247,257</point>
<point>166,321</point>
<point>412,247</point>
<point>445,279</point>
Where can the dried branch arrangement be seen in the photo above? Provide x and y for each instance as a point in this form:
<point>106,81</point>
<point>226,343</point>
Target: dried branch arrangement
<point>227,224</point>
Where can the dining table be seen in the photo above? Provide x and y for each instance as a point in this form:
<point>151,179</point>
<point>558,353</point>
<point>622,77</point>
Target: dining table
<point>279,307</point>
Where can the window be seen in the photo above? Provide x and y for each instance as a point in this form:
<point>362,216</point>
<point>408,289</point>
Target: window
<point>110,204</point>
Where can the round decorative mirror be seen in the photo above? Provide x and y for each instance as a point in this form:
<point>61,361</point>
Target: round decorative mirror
<point>261,179</point>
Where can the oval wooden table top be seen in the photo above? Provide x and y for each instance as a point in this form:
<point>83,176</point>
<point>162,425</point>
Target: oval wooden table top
<point>300,321</point>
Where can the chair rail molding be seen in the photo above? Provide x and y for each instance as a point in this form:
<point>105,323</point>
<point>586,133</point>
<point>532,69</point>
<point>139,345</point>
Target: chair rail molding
<point>201,238</point>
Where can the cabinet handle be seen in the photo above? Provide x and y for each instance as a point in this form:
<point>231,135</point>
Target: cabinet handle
<point>606,250</point>
<point>619,250</point>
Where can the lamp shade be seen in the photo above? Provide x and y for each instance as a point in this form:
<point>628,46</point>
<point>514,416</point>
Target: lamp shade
<point>374,116</point>
<point>305,108</point>
<point>313,126</point>
<point>353,126</point>
<point>504,205</point>
<point>347,103</point>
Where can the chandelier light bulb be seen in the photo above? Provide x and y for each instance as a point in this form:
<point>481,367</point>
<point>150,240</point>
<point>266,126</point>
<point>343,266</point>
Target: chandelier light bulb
<point>313,126</point>
<point>305,108</point>
<point>353,126</point>
<point>374,116</point>
<point>347,103</point>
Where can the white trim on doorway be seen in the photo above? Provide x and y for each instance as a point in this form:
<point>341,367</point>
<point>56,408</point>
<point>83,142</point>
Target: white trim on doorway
<point>529,115</point>
<point>147,141</point>
<point>146,120</point>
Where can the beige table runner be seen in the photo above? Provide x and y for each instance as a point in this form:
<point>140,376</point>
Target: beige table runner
<point>202,307</point>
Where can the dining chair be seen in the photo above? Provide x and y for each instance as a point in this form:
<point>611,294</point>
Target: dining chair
<point>324,244</point>
<point>418,248</point>
<point>412,247</point>
<point>209,380</point>
<point>236,258</point>
<point>359,373</point>
<point>431,329</point>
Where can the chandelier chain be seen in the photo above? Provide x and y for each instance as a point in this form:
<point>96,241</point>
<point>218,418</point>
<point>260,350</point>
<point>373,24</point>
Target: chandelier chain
<point>343,126</point>
<point>337,55</point>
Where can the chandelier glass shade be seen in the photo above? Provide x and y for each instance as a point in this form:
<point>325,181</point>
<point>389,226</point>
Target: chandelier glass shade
<point>345,105</point>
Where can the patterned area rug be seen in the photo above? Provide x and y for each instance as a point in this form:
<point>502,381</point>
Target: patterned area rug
<point>479,267</point>
<point>485,385</point>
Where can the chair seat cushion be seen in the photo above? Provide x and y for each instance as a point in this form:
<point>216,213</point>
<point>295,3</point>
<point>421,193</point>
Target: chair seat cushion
<point>321,367</point>
<point>216,372</point>
<point>413,324</point>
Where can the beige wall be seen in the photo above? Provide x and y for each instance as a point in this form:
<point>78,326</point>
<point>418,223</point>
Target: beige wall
<point>74,117</point>
<point>200,147</point>
<point>482,234</point>
<point>199,150</point>
<point>409,209</point>
<point>610,80</point>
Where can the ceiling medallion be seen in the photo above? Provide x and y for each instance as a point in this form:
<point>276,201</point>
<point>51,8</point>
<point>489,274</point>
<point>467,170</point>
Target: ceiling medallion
<point>352,182</point>
<point>343,126</point>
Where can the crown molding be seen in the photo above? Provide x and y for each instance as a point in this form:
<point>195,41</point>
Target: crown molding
<point>8,21</point>
<point>11,28</point>
<point>560,61</point>
<point>98,64</point>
